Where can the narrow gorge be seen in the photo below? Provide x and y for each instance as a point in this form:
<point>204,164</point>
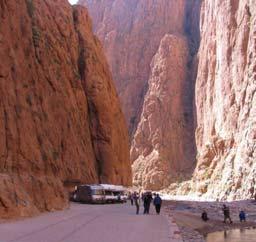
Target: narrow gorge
<point>186,76</point>
<point>171,107</point>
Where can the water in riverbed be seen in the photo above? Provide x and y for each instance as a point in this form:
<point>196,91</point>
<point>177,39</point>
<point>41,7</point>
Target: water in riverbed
<point>236,235</point>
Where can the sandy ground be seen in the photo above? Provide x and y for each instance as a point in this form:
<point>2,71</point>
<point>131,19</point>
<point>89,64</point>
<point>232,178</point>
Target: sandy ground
<point>92,223</point>
<point>187,215</point>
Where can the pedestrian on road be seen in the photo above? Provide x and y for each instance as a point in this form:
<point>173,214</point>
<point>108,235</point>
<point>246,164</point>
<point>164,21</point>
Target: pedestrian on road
<point>226,214</point>
<point>147,202</point>
<point>158,203</point>
<point>137,202</point>
<point>144,198</point>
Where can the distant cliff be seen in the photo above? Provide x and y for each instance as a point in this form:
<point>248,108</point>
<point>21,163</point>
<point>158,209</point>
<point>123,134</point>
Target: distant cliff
<point>150,46</point>
<point>60,118</point>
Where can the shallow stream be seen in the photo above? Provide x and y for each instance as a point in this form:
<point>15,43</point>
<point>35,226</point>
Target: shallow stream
<point>236,235</point>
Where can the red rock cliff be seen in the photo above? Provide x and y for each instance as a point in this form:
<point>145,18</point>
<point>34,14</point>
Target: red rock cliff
<point>131,32</point>
<point>60,118</point>
<point>150,46</point>
<point>226,100</point>
<point>159,101</point>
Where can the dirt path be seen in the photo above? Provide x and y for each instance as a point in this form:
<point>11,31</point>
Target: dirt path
<point>91,223</point>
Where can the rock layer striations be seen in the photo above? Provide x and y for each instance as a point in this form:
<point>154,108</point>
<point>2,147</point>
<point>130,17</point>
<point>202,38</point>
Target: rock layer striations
<point>60,116</point>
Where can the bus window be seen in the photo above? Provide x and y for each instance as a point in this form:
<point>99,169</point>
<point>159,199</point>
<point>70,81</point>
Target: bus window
<point>97,192</point>
<point>108,192</point>
<point>118,193</point>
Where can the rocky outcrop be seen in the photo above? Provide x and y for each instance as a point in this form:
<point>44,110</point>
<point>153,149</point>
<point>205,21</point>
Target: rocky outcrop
<point>226,101</point>
<point>142,40</point>
<point>60,116</point>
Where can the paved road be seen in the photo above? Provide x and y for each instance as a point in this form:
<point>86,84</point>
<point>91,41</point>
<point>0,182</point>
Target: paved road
<point>90,223</point>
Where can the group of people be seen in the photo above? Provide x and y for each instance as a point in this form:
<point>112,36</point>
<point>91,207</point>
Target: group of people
<point>146,198</point>
<point>226,213</point>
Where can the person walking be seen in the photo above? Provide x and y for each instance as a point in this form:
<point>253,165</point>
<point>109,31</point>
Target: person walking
<point>147,202</point>
<point>226,214</point>
<point>158,203</point>
<point>137,202</point>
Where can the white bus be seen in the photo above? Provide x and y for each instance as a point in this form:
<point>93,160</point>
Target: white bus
<point>114,193</point>
<point>89,194</point>
<point>102,193</point>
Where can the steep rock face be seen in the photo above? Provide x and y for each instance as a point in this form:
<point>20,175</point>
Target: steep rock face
<point>160,150</point>
<point>108,129</point>
<point>131,32</point>
<point>60,115</point>
<point>226,100</point>
<point>156,90</point>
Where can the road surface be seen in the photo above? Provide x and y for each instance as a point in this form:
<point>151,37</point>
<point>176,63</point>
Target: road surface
<point>91,223</point>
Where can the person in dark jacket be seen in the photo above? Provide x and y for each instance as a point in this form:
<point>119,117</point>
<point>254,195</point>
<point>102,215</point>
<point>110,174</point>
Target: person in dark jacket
<point>242,216</point>
<point>226,214</point>
<point>158,203</point>
<point>147,202</point>
<point>204,216</point>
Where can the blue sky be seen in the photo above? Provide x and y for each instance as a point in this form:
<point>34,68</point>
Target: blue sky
<point>73,1</point>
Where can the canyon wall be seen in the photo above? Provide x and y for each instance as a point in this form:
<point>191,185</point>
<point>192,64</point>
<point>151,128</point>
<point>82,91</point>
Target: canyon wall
<point>226,101</point>
<point>173,96</point>
<point>151,46</point>
<point>60,117</point>
<point>131,32</point>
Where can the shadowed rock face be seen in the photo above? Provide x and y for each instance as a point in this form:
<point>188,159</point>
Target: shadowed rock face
<point>142,40</point>
<point>226,100</point>
<point>60,115</point>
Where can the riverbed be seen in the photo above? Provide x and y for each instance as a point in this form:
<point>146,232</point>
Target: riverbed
<point>187,215</point>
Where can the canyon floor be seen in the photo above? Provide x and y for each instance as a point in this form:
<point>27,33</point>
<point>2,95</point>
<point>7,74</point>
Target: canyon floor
<point>92,223</point>
<point>179,221</point>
